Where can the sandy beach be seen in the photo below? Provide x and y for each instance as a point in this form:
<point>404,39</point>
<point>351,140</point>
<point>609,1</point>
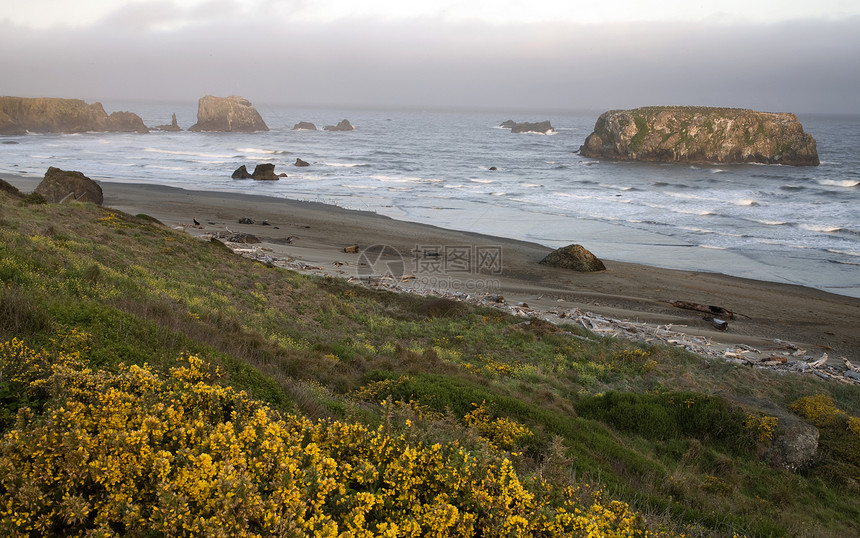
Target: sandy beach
<point>478,265</point>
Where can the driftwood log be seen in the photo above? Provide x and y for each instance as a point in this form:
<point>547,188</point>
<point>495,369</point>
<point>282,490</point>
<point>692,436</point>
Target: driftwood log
<point>715,310</point>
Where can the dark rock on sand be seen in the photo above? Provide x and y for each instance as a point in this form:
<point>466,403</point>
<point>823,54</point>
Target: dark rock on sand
<point>19,115</point>
<point>227,114</point>
<point>574,257</point>
<point>300,162</point>
<point>344,125</point>
<point>241,173</point>
<point>246,220</point>
<point>59,185</point>
<point>700,135</point>
<point>265,172</point>
<point>304,126</point>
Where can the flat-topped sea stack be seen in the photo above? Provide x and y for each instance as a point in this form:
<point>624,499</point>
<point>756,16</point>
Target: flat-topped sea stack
<point>528,126</point>
<point>20,115</point>
<point>700,135</point>
<point>227,114</point>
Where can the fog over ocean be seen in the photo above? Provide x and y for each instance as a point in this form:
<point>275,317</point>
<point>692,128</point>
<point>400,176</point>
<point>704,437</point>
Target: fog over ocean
<point>798,225</point>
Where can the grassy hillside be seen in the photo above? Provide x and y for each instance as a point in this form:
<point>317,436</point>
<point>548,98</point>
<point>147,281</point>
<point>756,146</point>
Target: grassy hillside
<point>145,371</point>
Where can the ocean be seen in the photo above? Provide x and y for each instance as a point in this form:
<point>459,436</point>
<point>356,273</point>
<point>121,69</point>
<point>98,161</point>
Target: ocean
<point>797,225</point>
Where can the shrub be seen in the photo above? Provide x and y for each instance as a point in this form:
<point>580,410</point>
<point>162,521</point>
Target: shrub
<point>819,409</point>
<point>666,416</point>
<point>131,453</point>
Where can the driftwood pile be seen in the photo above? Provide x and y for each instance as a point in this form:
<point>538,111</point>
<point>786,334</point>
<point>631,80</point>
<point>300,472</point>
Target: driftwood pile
<point>781,357</point>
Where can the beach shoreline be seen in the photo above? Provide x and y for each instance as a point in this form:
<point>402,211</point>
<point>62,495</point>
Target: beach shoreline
<point>450,261</point>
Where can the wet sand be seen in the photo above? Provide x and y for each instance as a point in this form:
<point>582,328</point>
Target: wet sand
<point>476,264</point>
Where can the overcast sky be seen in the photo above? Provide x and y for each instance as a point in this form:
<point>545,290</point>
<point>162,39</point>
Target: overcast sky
<point>773,55</point>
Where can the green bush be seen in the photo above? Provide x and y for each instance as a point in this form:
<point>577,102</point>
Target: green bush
<point>667,416</point>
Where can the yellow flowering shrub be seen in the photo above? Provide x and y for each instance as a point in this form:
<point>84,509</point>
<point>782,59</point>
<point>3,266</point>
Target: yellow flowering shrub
<point>136,453</point>
<point>762,427</point>
<point>820,409</point>
<point>501,432</point>
<point>854,425</point>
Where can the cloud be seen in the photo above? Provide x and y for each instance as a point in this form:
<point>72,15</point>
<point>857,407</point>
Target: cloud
<point>172,52</point>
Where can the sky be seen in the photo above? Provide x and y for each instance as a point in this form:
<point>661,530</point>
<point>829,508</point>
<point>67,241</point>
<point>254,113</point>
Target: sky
<point>771,55</point>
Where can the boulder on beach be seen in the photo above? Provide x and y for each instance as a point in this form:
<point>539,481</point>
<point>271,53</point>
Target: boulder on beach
<point>700,135</point>
<point>300,162</point>
<point>19,115</point>
<point>574,257</point>
<point>227,114</point>
<point>60,185</point>
<point>172,127</point>
<point>343,125</point>
<point>304,126</point>
<point>265,172</point>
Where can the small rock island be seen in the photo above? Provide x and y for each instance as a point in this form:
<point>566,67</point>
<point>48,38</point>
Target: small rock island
<point>543,127</point>
<point>227,114</point>
<point>700,135</point>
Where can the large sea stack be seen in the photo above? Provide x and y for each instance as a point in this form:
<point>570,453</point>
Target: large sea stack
<point>227,114</point>
<point>19,115</point>
<point>700,135</point>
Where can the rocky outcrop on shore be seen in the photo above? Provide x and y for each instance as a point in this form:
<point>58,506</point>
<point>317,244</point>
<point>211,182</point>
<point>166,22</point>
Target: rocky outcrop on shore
<point>700,135</point>
<point>574,257</point>
<point>20,115</point>
<point>227,114</point>
<point>59,186</point>
<point>527,127</point>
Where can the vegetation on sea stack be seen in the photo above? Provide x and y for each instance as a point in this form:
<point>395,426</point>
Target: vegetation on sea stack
<point>700,134</point>
<point>156,384</point>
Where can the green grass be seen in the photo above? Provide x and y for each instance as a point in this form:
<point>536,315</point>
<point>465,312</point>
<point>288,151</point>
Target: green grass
<point>645,422</point>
